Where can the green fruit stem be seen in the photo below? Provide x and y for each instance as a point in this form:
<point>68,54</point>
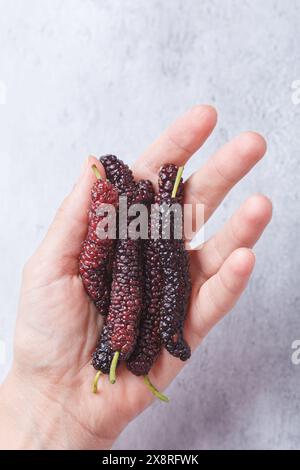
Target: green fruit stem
<point>154,390</point>
<point>96,172</point>
<point>95,382</point>
<point>113,366</point>
<point>177,181</point>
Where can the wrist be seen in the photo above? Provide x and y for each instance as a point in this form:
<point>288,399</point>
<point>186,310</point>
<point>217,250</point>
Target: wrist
<point>23,424</point>
<point>29,419</point>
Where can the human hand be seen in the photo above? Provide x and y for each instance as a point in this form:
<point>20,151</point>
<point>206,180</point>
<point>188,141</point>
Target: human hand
<point>46,400</point>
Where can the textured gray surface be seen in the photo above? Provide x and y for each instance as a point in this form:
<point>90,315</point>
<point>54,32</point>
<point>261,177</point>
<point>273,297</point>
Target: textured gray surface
<point>107,76</point>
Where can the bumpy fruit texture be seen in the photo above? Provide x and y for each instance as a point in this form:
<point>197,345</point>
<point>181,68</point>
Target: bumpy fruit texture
<point>175,294</point>
<point>166,180</point>
<point>175,271</point>
<point>121,327</point>
<point>127,287</point>
<point>95,260</point>
<point>103,355</point>
<point>126,297</point>
<point>119,174</point>
<point>144,193</point>
<point>167,284</point>
<point>149,342</point>
<point>94,268</point>
<point>150,282</point>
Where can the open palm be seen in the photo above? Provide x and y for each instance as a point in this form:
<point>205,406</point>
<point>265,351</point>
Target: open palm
<point>58,326</point>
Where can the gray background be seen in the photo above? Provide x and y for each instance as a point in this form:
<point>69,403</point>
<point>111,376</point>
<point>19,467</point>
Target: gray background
<point>103,76</point>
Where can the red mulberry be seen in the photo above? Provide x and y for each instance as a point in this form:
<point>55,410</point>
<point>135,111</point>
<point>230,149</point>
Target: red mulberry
<point>95,259</point>
<point>126,297</point>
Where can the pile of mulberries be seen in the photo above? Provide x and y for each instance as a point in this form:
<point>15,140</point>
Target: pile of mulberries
<point>141,286</point>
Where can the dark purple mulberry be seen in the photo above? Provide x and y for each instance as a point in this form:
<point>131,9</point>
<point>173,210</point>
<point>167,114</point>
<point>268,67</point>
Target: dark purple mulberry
<point>166,180</point>
<point>175,270</point>
<point>103,355</point>
<point>144,193</point>
<point>149,342</point>
<point>96,255</point>
<point>175,295</point>
<point>119,174</point>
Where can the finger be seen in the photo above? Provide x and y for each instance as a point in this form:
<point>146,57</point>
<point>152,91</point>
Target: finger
<point>63,241</point>
<point>210,184</point>
<point>178,142</point>
<point>220,293</point>
<point>242,230</point>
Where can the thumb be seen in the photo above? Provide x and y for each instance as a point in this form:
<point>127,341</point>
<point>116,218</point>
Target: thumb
<point>60,248</point>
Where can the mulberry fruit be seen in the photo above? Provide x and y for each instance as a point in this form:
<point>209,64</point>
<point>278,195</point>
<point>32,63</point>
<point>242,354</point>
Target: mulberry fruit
<point>119,174</point>
<point>96,255</point>
<point>102,357</point>
<point>119,333</point>
<point>175,294</point>
<point>166,183</point>
<point>175,268</point>
<point>149,341</point>
<point>126,297</point>
<point>127,286</point>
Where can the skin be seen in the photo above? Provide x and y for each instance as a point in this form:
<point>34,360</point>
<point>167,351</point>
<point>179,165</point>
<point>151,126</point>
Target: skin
<point>46,400</point>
